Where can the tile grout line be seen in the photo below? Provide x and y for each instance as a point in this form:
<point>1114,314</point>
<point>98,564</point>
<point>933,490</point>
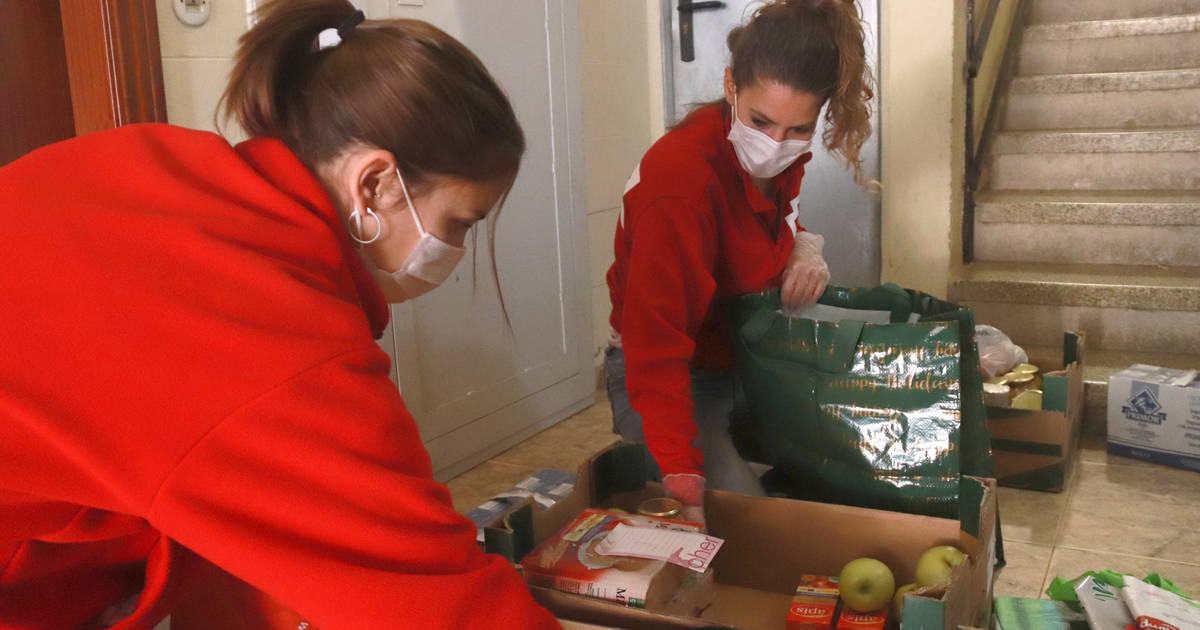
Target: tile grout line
<point>1130,555</point>
<point>1062,518</point>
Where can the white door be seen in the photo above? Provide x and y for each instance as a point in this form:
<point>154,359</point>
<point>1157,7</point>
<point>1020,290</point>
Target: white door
<point>830,202</point>
<point>474,386</point>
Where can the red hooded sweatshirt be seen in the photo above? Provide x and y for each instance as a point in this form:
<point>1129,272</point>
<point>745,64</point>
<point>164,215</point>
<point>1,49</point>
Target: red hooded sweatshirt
<point>187,364</point>
<point>693,229</point>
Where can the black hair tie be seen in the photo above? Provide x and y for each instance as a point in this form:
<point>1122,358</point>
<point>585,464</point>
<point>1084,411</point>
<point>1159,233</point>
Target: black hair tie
<point>348,25</point>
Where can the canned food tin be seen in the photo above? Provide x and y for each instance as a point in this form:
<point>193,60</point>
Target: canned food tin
<point>1026,368</point>
<point>1030,399</point>
<point>662,507</point>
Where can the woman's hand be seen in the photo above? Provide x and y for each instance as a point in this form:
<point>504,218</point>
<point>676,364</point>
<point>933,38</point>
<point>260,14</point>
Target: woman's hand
<point>806,274</point>
<point>688,489</point>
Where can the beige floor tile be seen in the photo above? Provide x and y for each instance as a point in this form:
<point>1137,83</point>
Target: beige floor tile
<point>1030,516</point>
<point>567,444</point>
<point>1094,448</point>
<point>481,482</point>
<point>1139,511</point>
<point>1069,563</point>
<point>1025,570</point>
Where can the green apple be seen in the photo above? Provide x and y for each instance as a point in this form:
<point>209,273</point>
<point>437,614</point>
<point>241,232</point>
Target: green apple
<point>866,584</point>
<point>936,565</point>
<point>898,600</point>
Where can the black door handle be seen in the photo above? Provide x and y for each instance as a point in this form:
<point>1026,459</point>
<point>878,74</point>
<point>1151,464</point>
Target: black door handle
<point>687,46</point>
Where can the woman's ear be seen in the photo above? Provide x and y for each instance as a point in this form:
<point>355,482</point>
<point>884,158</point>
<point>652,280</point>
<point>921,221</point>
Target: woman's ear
<point>371,179</point>
<point>730,88</point>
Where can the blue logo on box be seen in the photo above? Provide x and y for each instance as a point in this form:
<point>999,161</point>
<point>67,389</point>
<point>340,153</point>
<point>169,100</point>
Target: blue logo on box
<point>1143,405</point>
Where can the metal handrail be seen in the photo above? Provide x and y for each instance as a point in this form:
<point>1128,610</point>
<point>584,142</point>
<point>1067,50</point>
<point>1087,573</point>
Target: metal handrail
<point>977,41</point>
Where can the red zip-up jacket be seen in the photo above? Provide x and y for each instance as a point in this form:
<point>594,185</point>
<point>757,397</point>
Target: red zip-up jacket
<point>188,365</point>
<point>693,229</point>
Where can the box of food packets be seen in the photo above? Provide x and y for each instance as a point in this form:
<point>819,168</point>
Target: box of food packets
<point>1034,449</point>
<point>768,545</point>
<point>1154,414</point>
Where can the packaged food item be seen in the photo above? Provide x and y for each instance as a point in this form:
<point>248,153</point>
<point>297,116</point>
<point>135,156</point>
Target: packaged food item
<point>1018,383</point>
<point>662,507</point>
<point>1021,613</point>
<point>854,620</point>
<point>996,395</point>
<point>570,562</point>
<point>1030,399</point>
<point>546,487</point>
<point>1103,604</point>
<point>1154,608</point>
<point>814,606</point>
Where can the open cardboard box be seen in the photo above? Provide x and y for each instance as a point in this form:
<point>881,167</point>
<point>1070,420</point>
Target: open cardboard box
<point>769,544</point>
<point>1035,450</point>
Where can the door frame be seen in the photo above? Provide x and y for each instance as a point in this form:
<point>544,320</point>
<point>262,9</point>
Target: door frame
<point>114,63</point>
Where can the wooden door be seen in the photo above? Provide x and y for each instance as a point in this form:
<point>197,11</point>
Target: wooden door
<point>69,67</point>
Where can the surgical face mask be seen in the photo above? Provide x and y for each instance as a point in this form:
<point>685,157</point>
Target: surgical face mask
<point>430,262</point>
<point>760,154</point>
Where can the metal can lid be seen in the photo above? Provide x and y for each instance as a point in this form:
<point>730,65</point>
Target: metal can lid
<point>999,380</point>
<point>1027,368</point>
<point>662,507</point>
<point>995,388</point>
<point>1021,379</point>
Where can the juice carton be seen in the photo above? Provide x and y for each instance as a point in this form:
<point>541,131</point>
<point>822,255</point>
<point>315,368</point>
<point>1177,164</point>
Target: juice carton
<point>814,604</point>
<point>853,620</point>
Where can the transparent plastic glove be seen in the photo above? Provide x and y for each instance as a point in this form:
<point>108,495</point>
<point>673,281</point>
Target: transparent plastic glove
<point>688,489</point>
<point>806,274</point>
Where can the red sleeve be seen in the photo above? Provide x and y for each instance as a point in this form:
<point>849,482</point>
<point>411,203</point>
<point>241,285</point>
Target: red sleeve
<point>668,289</point>
<point>319,493</point>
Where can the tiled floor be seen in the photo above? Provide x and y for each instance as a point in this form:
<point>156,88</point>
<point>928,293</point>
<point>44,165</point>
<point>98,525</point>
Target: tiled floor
<point>1116,513</point>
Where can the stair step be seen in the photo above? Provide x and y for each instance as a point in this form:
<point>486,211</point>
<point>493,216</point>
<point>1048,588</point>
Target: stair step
<point>1089,244</point>
<point>1187,78</point>
<point>1052,11</point>
<point>1127,27</point>
<point>1111,45</point>
<point>1096,161</point>
<point>1095,286</point>
<point>1069,207</point>
<point>1097,141</point>
<point>1130,109</point>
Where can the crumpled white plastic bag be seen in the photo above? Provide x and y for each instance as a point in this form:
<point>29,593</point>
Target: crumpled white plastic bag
<point>997,353</point>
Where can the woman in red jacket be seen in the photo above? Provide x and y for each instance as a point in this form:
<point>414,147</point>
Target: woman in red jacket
<point>187,355</point>
<point>711,212</point>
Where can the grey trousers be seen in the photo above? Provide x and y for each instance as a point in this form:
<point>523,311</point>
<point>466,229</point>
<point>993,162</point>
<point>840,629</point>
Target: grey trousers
<point>713,397</point>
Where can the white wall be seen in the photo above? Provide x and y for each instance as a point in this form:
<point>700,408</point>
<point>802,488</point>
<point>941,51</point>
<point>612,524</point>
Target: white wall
<point>923,51</point>
<point>622,116</point>
<point>197,61</point>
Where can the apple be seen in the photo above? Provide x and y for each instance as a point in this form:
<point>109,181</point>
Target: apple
<point>898,601</point>
<point>936,565</point>
<point>866,584</point>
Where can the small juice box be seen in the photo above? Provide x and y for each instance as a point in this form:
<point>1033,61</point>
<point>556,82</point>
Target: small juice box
<point>853,620</point>
<point>814,604</point>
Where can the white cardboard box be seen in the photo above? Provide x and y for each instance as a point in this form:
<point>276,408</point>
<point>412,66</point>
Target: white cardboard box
<point>1154,414</point>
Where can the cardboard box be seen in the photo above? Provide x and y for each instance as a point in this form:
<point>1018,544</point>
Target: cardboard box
<point>769,544</point>
<point>1154,414</point>
<point>1035,450</point>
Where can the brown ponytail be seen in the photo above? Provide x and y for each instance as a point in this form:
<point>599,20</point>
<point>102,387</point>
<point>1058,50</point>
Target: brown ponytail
<point>814,46</point>
<point>400,85</point>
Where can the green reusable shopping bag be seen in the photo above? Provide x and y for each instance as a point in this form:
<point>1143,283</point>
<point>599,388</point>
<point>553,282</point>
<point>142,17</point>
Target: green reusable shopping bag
<point>873,398</point>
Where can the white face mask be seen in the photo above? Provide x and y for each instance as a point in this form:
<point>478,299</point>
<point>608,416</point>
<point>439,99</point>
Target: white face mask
<point>758,153</point>
<point>430,262</point>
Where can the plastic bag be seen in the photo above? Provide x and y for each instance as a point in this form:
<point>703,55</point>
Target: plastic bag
<point>1063,590</point>
<point>997,353</point>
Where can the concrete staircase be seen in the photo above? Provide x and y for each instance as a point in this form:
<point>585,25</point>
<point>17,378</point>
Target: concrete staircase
<point>1089,214</point>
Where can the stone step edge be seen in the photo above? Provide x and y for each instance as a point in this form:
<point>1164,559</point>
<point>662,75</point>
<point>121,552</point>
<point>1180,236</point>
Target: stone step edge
<point>1111,29</point>
<point>1099,82</point>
